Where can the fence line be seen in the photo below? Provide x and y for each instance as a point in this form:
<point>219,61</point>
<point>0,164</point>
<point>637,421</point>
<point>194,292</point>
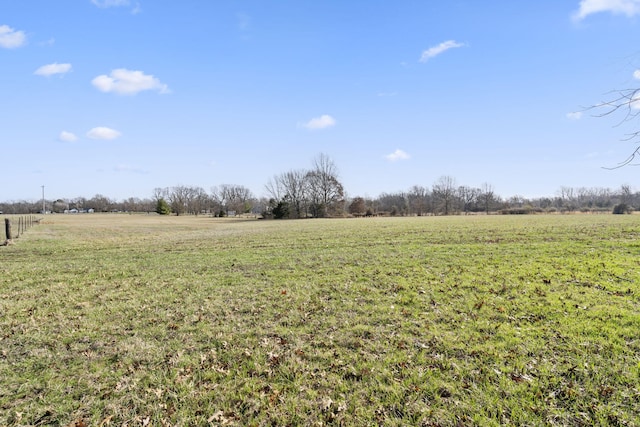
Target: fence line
<point>16,226</point>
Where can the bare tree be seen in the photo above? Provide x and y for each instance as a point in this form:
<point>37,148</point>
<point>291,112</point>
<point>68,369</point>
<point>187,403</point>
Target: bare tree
<point>198,200</point>
<point>160,193</point>
<point>468,197</point>
<point>296,191</point>
<point>568,198</point>
<point>418,199</point>
<point>444,191</point>
<point>291,189</point>
<point>274,188</point>
<point>487,197</point>
<point>625,194</point>
<point>78,203</point>
<point>358,206</point>
<point>100,203</point>
<point>325,190</point>
<point>238,199</point>
<point>232,198</point>
<point>220,196</point>
<point>394,204</point>
<point>516,201</point>
<point>178,198</point>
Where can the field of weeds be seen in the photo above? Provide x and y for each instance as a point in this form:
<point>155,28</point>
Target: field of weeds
<point>109,320</point>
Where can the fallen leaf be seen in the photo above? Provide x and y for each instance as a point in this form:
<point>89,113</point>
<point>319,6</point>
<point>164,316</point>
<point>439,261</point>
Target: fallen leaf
<point>326,403</point>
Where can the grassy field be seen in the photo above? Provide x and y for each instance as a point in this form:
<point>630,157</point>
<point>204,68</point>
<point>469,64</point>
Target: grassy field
<point>109,320</point>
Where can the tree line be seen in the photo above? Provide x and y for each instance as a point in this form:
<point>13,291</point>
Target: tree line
<point>317,192</point>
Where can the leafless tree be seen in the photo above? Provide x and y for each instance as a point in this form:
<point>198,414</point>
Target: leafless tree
<point>179,198</point>
<point>198,200</point>
<point>358,206</point>
<point>290,188</point>
<point>326,193</point>
<point>295,188</point>
<point>468,197</point>
<point>625,194</point>
<point>567,196</point>
<point>487,197</point>
<point>232,198</point>
<point>274,188</point>
<point>100,203</point>
<point>160,193</point>
<point>418,199</point>
<point>394,204</point>
<point>516,201</point>
<point>240,199</point>
<point>444,191</point>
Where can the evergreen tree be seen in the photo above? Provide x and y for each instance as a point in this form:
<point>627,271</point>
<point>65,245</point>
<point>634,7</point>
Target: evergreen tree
<point>162,207</point>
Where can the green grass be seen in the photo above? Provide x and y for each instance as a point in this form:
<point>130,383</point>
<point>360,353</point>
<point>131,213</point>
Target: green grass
<point>146,320</point>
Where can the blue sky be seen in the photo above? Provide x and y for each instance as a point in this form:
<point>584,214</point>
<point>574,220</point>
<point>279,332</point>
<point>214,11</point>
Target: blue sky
<point>118,97</point>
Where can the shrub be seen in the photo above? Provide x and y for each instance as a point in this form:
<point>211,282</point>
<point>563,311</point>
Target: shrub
<point>281,210</point>
<point>621,208</point>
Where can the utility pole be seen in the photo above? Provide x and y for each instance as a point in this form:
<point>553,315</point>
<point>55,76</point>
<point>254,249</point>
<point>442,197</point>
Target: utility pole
<point>44,206</point>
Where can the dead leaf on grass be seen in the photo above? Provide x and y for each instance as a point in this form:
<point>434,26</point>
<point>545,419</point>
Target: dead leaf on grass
<point>325,404</point>
<point>106,421</point>
<point>220,418</point>
<point>274,358</point>
<point>521,377</point>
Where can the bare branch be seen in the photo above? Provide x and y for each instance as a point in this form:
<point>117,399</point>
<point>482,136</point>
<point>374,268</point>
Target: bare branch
<point>626,101</point>
<point>628,161</point>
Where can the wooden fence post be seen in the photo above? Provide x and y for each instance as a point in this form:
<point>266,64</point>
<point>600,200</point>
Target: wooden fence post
<point>7,228</point>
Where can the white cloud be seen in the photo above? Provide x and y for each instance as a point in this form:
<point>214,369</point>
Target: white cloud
<point>397,155</point>
<point>128,82</point>
<point>67,136</point>
<point>104,4</point>
<point>110,3</point>
<point>51,69</point>
<point>103,133</point>
<point>635,102</point>
<point>625,7</point>
<point>10,38</point>
<point>322,122</point>
<point>636,74</point>
<point>576,115</point>
<point>437,50</point>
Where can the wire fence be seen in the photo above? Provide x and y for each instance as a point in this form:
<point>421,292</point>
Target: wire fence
<point>15,226</point>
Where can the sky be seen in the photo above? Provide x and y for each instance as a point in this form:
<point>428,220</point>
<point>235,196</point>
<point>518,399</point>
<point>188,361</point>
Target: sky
<point>118,97</point>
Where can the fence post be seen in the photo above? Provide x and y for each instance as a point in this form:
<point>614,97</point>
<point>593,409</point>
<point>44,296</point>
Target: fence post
<point>7,228</point>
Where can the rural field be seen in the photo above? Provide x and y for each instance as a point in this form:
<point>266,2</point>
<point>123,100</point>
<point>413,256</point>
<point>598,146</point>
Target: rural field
<point>110,320</point>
